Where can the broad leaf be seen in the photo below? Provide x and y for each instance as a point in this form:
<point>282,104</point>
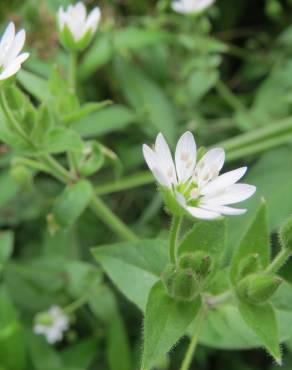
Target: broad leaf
<point>262,321</point>
<point>6,245</point>
<point>35,85</point>
<point>59,140</point>
<point>206,236</point>
<point>134,267</point>
<point>166,321</point>
<point>255,241</point>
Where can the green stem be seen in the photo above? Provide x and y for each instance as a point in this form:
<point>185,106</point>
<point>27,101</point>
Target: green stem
<point>10,117</point>
<point>194,341</point>
<point>142,178</point>
<point>72,71</point>
<point>233,155</point>
<point>252,137</point>
<point>173,238</point>
<point>56,170</point>
<point>229,97</point>
<point>72,307</point>
<point>111,220</point>
<point>278,261</point>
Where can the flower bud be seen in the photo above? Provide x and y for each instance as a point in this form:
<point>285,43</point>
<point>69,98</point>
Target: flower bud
<point>198,262</point>
<point>257,289</point>
<point>180,284</point>
<point>21,175</point>
<point>250,264</point>
<point>286,234</point>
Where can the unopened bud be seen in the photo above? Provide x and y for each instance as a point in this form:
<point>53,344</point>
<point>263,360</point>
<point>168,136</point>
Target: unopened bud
<point>21,175</point>
<point>249,265</point>
<point>198,262</point>
<point>180,284</point>
<point>286,233</point>
<point>257,289</point>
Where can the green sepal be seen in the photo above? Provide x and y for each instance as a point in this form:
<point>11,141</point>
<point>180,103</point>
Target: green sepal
<point>91,159</point>
<point>198,262</point>
<point>285,234</point>
<point>70,43</point>
<point>248,265</point>
<point>258,288</point>
<point>171,203</point>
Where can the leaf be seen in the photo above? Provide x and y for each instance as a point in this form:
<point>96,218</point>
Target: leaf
<point>206,236</point>
<point>225,328</point>
<point>104,305</point>
<point>6,245</point>
<point>166,321</point>
<point>273,177</point>
<point>35,85</point>
<point>200,82</point>
<point>134,267</point>
<point>98,54</point>
<point>255,241</point>
<point>12,341</point>
<point>262,320</point>
<point>59,140</point>
<point>113,118</point>
<point>81,354</point>
<point>71,203</point>
<point>144,95</point>
<point>84,111</point>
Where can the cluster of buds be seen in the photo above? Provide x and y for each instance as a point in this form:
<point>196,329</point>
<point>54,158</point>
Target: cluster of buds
<point>185,280</point>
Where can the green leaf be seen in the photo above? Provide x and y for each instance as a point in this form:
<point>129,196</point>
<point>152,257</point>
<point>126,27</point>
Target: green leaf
<point>208,236</point>
<point>59,140</point>
<point>71,203</point>
<point>97,55</point>
<point>113,118</point>
<point>134,267</point>
<point>104,305</point>
<point>6,245</point>
<point>35,85</point>
<point>84,111</point>
<point>262,321</point>
<point>81,354</point>
<point>166,321</point>
<point>12,340</point>
<point>200,82</point>
<point>144,95</point>
<point>255,241</point>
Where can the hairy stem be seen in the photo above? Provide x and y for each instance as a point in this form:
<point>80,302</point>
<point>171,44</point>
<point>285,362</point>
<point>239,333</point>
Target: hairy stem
<point>278,261</point>
<point>194,341</point>
<point>173,238</point>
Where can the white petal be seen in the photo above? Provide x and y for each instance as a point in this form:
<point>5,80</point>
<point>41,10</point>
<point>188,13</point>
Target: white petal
<point>166,162</point>
<point>7,37</point>
<point>153,163</point>
<point>80,12</point>
<point>181,199</point>
<point>223,181</point>
<point>224,210</point>
<point>233,194</point>
<point>93,20</point>
<point>202,213</point>
<point>185,156</point>
<point>40,329</point>
<point>54,335</point>
<point>10,71</point>
<point>214,158</point>
<point>15,47</point>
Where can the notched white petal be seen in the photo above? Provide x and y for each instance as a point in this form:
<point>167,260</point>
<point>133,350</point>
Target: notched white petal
<point>185,156</point>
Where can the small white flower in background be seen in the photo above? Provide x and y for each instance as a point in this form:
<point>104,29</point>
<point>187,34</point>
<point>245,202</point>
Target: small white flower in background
<point>190,6</point>
<point>11,45</point>
<point>52,324</point>
<point>80,26</point>
<point>197,186</point>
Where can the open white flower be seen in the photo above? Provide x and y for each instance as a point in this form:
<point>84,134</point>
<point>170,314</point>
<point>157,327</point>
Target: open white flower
<point>80,25</point>
<point>52,324</point>
<point>190,6</point>
<point>197,187</point>
<point>11,45</point>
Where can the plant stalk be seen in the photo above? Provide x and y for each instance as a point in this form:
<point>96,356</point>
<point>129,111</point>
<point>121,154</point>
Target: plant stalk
<point>278,261</point>
<point>194,341</point>
<point>173,238</point>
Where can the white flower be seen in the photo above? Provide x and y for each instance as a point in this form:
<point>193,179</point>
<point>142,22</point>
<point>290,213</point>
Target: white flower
<point>11,45</point>
<point>52,324</point>
<point>197,187</point>
<point>190,6</point>
<point>77,21</point>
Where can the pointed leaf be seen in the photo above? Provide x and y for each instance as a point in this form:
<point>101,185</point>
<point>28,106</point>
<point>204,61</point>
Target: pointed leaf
<point>255,241</point>
<point>166,321</point>
<point>262,320</point>
<point>134,267</point>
